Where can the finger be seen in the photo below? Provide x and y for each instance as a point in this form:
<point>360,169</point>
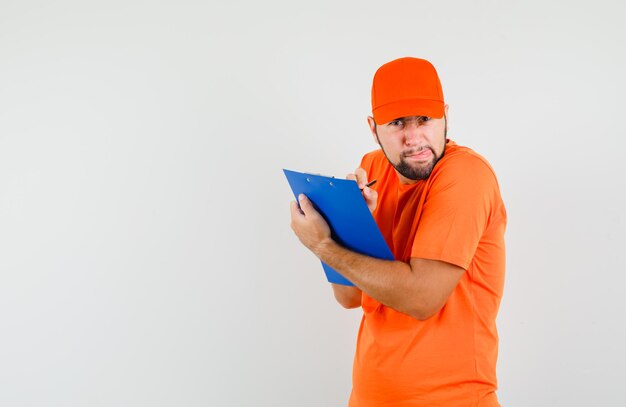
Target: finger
<point>351,177</point>
<point>361,177</point>
<point>370,193</point>
<point>305,205</point>
<point>371,198</point>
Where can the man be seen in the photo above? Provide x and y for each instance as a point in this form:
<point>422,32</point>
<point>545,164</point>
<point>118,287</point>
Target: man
<point>428,335</point>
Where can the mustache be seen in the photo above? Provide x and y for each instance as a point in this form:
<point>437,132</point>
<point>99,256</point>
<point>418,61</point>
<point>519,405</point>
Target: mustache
<point>417,150</point>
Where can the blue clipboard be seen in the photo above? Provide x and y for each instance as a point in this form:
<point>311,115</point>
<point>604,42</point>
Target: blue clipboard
<point>341,203</point>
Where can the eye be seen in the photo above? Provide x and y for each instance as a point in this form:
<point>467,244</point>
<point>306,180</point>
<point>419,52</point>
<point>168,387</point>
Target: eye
<point>396,123</point>
<point>425,118</point>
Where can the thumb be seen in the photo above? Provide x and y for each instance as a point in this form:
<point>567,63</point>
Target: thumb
<point>305,205</point>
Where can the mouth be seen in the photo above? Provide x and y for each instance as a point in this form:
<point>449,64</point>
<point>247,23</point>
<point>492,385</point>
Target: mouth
<point>419,155</point>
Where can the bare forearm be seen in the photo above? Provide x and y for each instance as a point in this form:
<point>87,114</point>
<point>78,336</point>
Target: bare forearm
<point>419,289</point>
<point>392,283</point>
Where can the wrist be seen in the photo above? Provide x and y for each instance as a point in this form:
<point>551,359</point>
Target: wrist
<point>324,248</point>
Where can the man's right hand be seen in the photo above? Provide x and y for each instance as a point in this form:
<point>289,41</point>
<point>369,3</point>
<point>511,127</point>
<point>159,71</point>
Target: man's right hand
<point>370,195</point>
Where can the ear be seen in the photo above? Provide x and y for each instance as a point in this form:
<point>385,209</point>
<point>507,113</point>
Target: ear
<point>372,124</point>
<point>445,111</point>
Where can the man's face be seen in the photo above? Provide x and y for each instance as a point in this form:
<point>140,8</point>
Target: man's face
<point>412,144</point>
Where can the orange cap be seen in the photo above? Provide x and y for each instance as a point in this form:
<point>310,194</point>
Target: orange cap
<point>406,87</point>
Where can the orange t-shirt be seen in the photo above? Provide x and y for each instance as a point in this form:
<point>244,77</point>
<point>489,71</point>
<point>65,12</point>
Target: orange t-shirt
<point>457,216</point>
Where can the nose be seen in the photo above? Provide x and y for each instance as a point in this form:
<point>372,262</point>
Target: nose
<point>412,132</point>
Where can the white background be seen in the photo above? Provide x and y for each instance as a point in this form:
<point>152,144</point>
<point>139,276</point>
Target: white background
<point>146,257</point>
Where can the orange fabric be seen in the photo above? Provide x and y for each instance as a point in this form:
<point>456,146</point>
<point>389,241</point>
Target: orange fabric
<point>457,216</point>
<point>406,87</point>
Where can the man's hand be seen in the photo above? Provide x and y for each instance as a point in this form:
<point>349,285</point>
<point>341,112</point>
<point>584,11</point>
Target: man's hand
<point>370,195</point>
<point>310,227</point>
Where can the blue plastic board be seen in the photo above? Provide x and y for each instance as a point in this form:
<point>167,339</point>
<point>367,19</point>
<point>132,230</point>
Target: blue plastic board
<point>342,205</point>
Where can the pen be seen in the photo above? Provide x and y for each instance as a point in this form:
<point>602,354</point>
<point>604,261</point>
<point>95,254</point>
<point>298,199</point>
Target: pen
<point>369,184</point>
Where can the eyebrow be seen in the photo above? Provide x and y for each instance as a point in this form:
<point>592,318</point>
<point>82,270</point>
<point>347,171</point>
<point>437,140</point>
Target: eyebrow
<point>405,117</point>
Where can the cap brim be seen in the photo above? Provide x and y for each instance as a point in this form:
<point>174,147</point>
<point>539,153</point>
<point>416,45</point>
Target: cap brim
<point>405,108</point>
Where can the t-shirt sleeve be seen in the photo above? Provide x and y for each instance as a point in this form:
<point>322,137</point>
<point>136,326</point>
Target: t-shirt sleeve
<point>367,162</point>
<point>372,163</point>
<point>456,211</point>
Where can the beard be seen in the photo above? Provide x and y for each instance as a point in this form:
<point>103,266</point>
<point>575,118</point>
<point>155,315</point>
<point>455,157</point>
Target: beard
<point>416,173</point>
